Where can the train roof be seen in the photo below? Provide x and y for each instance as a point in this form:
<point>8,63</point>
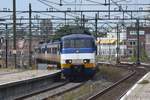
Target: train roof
<point>43,45</point>
<point>72,36</point>
<point>53,44</point>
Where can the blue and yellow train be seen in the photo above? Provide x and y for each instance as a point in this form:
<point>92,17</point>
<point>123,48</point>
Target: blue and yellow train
<point>74,54</point>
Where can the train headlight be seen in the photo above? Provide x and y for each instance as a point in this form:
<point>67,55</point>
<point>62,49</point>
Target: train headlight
<point>86,60</point>
<point>69,61</point>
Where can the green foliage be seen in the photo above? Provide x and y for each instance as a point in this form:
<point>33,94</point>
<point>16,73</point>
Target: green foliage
<point>133,58</point>
<point>112,73</point>
<point>69,29</point>
<point>99,34</point>
<point>144,82</point>
<point>143,55</point>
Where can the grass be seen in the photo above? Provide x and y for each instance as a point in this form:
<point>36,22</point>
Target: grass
<point>82,92</point>
<point>111,72</point>
<point>91,86</point>
<point>144,82</point>
<point>72,95</point>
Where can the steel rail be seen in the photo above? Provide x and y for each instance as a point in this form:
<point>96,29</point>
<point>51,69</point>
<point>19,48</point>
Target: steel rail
<point>42,91</point>
<point>95,96</point>
<point>67,90</point>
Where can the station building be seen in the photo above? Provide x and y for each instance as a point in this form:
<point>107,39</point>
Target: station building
<point>107,46</point>
<point>144,36</point>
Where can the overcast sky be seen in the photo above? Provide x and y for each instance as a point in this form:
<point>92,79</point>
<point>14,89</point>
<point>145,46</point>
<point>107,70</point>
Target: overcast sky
<point>23,4</point>
<point>36,5</point>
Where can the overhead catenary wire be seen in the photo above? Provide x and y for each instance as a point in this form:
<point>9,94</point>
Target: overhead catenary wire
<point>59,10</point>
<point>52,7</point>
<point>96,2</point>
<point>91,4</point>
<point>51,2</point>
<point>121,8</point>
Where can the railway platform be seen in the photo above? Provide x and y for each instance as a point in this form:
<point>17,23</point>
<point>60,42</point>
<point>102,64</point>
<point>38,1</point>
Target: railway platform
<point>15,85</point>
<point>140,91</point>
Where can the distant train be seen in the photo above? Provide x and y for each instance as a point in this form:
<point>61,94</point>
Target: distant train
<point>74,54</point>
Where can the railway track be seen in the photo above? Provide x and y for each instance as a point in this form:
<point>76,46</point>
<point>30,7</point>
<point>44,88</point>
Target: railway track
<point>67,88</point>
<point>51,92</point>
<point>38,94</point>
<point>113,92</point>
<point>116,91</point>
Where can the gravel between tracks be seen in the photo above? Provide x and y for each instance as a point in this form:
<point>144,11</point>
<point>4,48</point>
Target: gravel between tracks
<point>106,76</point>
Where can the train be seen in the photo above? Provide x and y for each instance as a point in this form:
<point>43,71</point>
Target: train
<point>74,54</point>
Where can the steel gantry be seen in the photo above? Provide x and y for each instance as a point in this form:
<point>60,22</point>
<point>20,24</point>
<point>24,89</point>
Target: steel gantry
<point>82,17</point>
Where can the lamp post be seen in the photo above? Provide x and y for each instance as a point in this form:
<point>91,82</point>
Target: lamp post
<point>14,32</point>
<point>6,46</point>
<point>110,47</point>
<point>30,37</point>
<point>96,22</point>
<point>138,43</point>
<point>118,45</point>
<point>109,50</point>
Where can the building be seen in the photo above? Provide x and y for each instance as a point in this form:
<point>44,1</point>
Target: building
<point>108,46</point>
<point>144,37</point>
<point>46,28</point>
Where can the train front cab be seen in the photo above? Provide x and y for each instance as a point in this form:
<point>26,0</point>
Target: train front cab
<point>78,56</point>
<point>76,70</point>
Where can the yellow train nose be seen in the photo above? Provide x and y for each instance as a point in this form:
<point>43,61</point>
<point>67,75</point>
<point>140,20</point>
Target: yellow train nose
<point>66,65</point>
<point>86,65</point>
<point>89,65</point>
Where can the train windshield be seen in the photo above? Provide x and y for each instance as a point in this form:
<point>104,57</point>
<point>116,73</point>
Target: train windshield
<point>78,43</point>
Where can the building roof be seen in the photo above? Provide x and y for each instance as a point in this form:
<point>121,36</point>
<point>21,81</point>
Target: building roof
<point>106,41</point>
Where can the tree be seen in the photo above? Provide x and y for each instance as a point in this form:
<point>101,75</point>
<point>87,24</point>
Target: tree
<point>144,56</point>
<point>99,34</point>
<point>69,29</point>
<point>46,27</point>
